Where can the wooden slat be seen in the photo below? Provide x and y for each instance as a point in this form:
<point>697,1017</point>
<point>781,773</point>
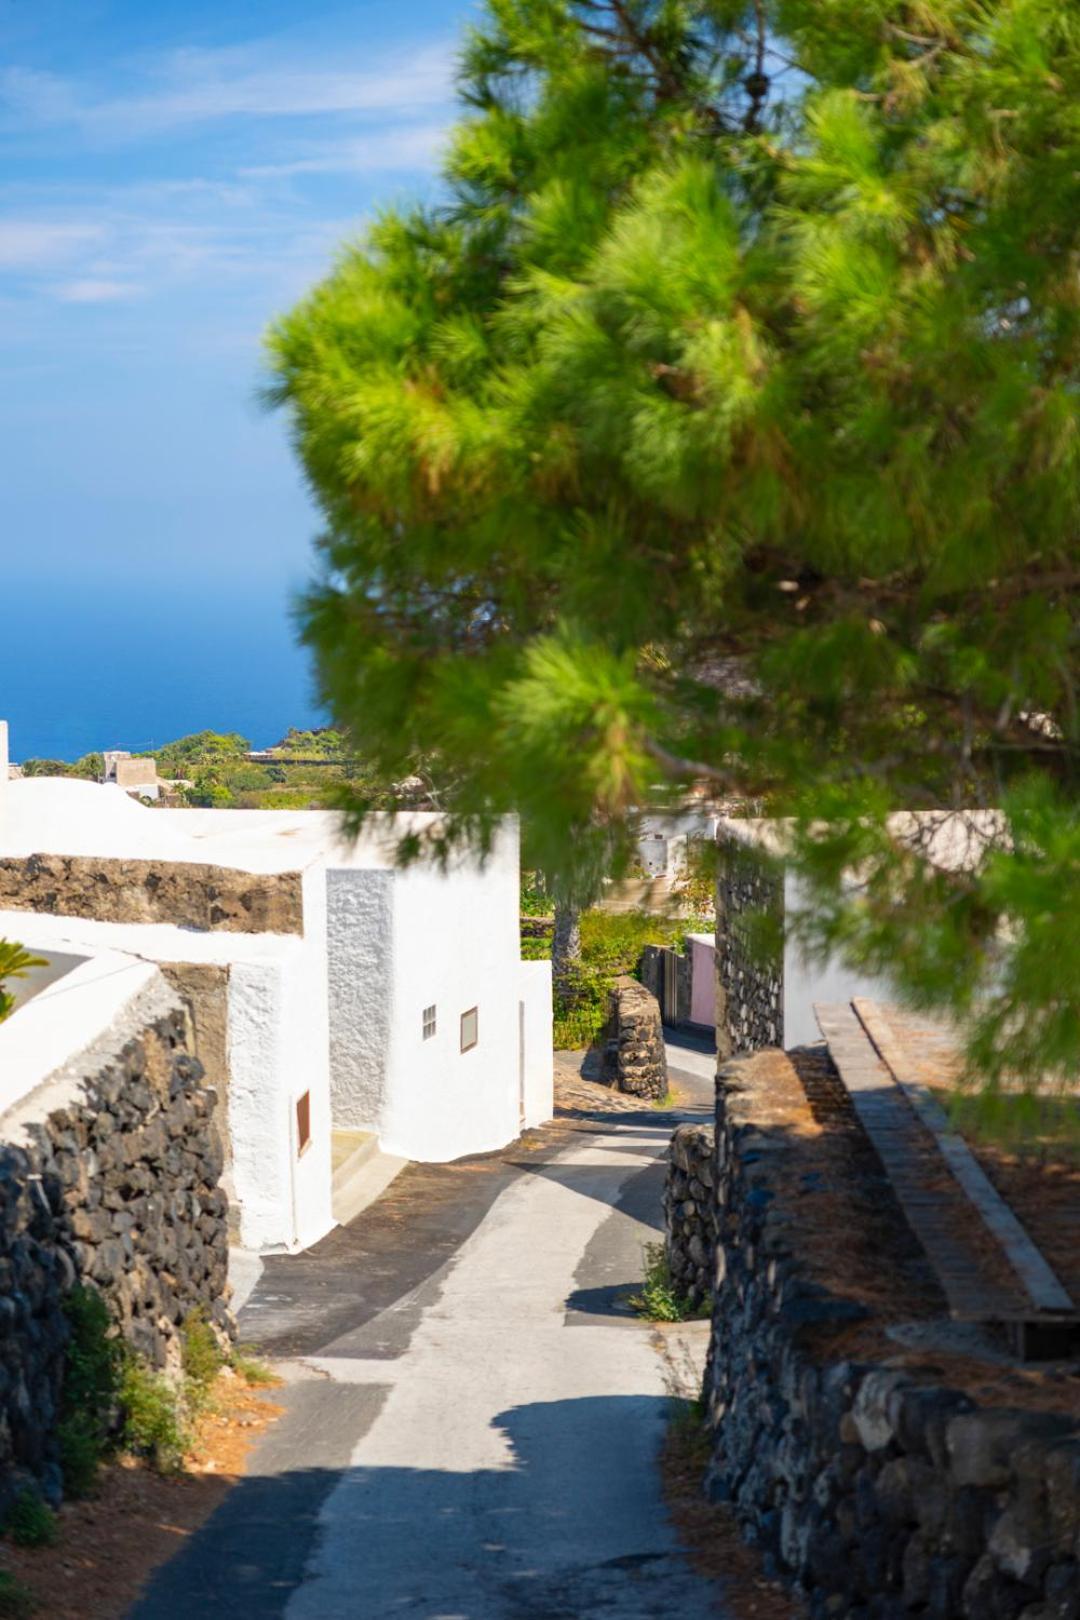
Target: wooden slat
<point>1038,1280</point>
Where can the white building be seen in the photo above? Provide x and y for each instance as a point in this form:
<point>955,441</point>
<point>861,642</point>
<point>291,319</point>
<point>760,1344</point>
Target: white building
<point>770,1002</point>
<point>665,839</point>
<point>339,997</point>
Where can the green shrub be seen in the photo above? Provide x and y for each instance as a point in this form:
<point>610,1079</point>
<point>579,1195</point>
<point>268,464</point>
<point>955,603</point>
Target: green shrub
<point>203,1357</point>
<point>82,1448</point>
<point>535,901</point>
<point>154,1416</point>
<point>611,944</point>
<point>660,1299</point>
<point>16,1600</point>
<point>92,1367</point>
<point>30,1521</point>
<point>14,964</point>
<point>248,1367</point>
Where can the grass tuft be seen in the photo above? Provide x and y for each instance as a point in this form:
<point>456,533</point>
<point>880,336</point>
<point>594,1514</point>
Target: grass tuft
<point>660,1299</point>
<point>30,1521</point>
<point>17,1601</point>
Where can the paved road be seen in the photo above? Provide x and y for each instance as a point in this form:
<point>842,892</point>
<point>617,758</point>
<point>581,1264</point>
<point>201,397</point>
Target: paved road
<point>480,1444</point>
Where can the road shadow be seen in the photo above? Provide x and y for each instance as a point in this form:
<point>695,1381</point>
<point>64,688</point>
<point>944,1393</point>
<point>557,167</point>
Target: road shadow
<point>566,1523</point>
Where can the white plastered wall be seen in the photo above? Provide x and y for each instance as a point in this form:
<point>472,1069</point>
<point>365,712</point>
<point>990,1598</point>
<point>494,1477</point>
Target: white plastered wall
<point>807,982</point>
<point>456,947</point>
<point>538,1066</point>
<point>277,1048</point>
<point>360,946</point>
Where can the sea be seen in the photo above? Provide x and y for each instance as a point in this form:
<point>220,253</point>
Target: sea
<point>85,668</point>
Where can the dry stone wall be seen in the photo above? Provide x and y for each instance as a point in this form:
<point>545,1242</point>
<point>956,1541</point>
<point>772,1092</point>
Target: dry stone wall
<point>113,1181</point>
<point>690,1212</point>
<point>749,990</point>
<point>880,1491</point>
<point>188,894</point>
<point>634,1056</point>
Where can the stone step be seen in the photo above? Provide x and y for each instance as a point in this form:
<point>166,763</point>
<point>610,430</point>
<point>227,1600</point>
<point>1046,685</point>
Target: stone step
<point>361,1172</point>
<point>345,1146</point>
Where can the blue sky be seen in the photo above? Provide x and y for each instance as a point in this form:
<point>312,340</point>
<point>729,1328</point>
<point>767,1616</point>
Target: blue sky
<point>172,174</point>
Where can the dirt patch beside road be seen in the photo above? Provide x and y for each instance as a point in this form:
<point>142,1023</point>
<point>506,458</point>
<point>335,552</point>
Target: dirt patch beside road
<point>110,1543</point>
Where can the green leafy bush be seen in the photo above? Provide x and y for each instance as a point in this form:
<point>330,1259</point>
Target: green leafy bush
<point>15,962</point>
<point>535,900</point>
<point>30,1521</point>
<point>92,1372</point>
<point>611,944</point>
<point>250,1368</point>
<point>660,1299</point>
<point>203,1358</point>
<point>17,1602</point>
<point>155,1425</point>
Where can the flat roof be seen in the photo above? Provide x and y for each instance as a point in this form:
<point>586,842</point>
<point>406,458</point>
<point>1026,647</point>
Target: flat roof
<point>66,816</point>
<point>951,840</point>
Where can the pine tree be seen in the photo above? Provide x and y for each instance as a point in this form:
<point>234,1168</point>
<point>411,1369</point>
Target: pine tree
<point>722,426</point>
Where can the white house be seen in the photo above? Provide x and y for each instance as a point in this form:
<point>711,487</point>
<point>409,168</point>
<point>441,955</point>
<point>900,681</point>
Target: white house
<point>770,1002</point>
<point>665,838</point>
<point>339,997</point>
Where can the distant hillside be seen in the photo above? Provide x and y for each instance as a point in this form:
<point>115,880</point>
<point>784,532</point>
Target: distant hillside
<point>219,769</point>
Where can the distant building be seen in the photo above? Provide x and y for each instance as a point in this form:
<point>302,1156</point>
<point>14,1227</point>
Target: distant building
<point>136,775</point>
<point>336,998</point>
<point>767,998</point>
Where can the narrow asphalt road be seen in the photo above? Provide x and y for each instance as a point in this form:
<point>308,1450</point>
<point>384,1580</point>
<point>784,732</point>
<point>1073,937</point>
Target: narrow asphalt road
<point>473,1433</point>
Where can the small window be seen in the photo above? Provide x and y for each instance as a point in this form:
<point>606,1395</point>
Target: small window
<point>470,1029</point>
<point>303,1123</point>
<point>429,1022</point>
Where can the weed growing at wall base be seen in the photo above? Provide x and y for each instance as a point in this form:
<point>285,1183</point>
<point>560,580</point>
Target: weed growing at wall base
<point>17,1602</point>
<point>91,1389</point>
<point>30,1521</point>
<point>660,1300</point>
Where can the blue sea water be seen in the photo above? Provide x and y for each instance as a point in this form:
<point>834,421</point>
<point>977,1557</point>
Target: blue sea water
<point>85,667</point>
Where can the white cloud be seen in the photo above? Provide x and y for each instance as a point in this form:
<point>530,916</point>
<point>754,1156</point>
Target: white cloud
<point>89,291</point>
<point>413,146</point>
<point>34,244</point>
<point>194,87</point>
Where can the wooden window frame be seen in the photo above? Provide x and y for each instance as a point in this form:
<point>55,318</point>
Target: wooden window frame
<point>303,1123</point>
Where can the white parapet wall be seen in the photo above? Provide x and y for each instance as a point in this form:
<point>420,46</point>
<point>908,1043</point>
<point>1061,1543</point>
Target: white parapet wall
<point>276,1050</point>
<point>42,1042</point>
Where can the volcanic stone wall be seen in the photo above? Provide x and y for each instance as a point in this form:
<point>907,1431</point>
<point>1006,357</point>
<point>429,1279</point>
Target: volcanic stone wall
<point>749,989</point>
<point>188,894</point>
<point>882,1492</point>
<point>690,1212</point>
<point>113,1181</point>
<point>634,1057</point>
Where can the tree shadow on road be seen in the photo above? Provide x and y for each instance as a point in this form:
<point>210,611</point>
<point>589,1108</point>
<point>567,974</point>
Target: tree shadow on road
<point>566,1522</point>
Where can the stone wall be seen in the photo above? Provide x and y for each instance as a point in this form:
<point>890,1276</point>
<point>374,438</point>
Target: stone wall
<point>882,1491</point>
<point>634,1057</point>
<point>187,894</point>
<point>690,1212</point>
<point>108,1175</point>
<point>749,990</point>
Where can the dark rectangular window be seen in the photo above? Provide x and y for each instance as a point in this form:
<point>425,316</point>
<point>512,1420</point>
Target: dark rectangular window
<point>470,1029</point>
<point>303,1122</point>
<point>429,1022</point>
